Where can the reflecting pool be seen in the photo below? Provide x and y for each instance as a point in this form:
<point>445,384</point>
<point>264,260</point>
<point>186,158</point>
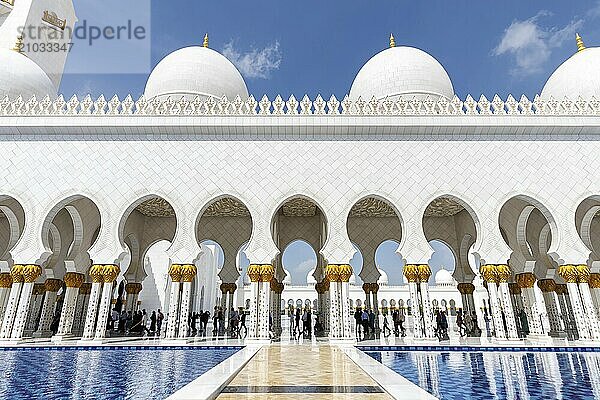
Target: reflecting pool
<point>108,373</point>
<point>496,375</point>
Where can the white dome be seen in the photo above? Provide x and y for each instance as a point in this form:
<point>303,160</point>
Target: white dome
<point>383,279</point>
<point>21,76</point>
<point>288,278</point>
<point>352,280</point>
<point>310,279</point>
<point>578,76</point>
<point>443,278</point>
<point>196,71</point>
<point>402,72</point>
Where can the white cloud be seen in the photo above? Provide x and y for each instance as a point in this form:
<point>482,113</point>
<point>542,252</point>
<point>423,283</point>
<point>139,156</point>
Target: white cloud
<point>256,63</point>
<point>531,44</point>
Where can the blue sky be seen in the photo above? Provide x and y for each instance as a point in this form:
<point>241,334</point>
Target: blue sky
<point>317,47</point>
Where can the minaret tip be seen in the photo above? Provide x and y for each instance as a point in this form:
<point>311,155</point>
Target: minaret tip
<point>392,40</point>
<point>580,44</point>
<point>205,44</point>
<point>19,45</point>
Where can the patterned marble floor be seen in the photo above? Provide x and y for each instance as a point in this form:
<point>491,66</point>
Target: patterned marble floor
<point>302,372</point>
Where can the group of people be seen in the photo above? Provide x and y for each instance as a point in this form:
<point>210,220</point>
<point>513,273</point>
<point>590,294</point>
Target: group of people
<point>303,322</point>
<point>136,322</point>
<point>198,322</point>
<point>365,323</point>
<point>467,324</point>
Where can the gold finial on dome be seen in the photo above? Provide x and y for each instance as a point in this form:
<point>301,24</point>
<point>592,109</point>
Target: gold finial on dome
<point>205,44</point>
<point>392,40</point>
<point>19,45</point>
<point>580,44</point>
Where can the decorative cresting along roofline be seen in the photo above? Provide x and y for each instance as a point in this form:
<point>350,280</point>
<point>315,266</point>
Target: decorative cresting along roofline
<point>237,107</point>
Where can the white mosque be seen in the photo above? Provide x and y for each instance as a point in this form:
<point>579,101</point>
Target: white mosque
<point>88,186</point>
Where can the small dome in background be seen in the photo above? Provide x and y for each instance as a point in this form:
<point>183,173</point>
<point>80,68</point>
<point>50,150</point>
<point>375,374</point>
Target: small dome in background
<point>310,279</point>
<point>21,76</point>
<point>444,278</point>
<point>578,76</point>
<point>405,72</point>
<point>383,279</point>
<point>288,278</point>
<point>195,71</point>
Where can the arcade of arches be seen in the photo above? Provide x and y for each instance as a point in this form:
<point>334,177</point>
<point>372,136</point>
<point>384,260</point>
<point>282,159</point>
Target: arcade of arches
<point>67,295</point>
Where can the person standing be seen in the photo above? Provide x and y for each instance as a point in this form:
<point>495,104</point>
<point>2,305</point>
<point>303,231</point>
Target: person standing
<point>364,319</point>
<point>396,321</point>
<point>122,322</point>
<point>159,321</point>
<point>153,323</point>
<point>358,321</point>
<point>386,326</point>
<point>460,324</point>
<point>401,323</point>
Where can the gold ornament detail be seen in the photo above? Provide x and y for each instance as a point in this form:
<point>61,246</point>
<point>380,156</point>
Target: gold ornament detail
<point>30,272</point>
<point>547,285</point>
<point>561,288</point>
<point>175,272</point>
<point>5,280</point>
<point>338,272</point>
<point>261,272</point>
<point>322,286</point>
<point>38,288</point>
<point>503,272</point>
<point>205,42</point>
<point>110,272</point>
<point>19,45</point>
<point>228,287</point>
<point>514,288</point>
<point>86,288</point>
<point>424,273</point>
<point>466,288</point>
<point>96,273</point>
<point>411,272</point>
<point>569,273</point>
<point>133,288</point>
<point>525,280</point>
<point>276,286</point>
<point>495,273</point>
<point>73,279</point>
<point>392,40</point>
<point>583,273</point>
<point>52,285</point>
<point>580,44</point>
<point>370,287</point>
<point>188,272</point>
<point>594,281</point>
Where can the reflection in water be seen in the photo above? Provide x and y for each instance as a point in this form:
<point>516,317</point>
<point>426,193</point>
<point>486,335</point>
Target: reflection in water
<point>495,375</point>
<point>109,373</point>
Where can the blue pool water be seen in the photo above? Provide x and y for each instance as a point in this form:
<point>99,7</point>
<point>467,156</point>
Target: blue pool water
<point>107,374</point>
<point>494,375</point>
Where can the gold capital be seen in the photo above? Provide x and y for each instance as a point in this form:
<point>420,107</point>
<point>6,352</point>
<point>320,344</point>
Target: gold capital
<point>525,280</point>
<point>5,280</point>
<point>571,273</point>
<point>86,288</point>
<point>411,272</point>
<point>52,285</point>
<point>594,281</point>
<point>188,272</point>
<point>73,279</point>
<point>261,272</point>
<point>133,288</point>
<point>466,288</point>
<point>175,272</point>
<point>547,285</point>
<point>110,272</point>
<point>30,272</point>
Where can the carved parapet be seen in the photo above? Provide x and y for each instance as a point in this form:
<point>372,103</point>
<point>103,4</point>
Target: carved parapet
<point>133,288</point>
<point>411,272</point>
<point>74,280</point>
<point>547,285</point>
<point>261,272</point>
<point>338,272</point>
<point>525,280</point>
<point>466,288</point>
<point>85,289</point>
<point>53,285</point>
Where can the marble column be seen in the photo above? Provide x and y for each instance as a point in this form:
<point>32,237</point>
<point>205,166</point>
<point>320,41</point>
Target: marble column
<point>188,273</point>
<point>491,278</point>
<point>10,311</point>
<point>96,273</point>
<point>565,310</point>
<point>277,289</point>
<point>133,290</point>
<point>504,274</point>
<point>35,308</point>
<point>367,289</point>
<point>48,308</point>
<point>374,291</point>
<point>548,287</point>
<point>341,327</point>
<point>411,272</point>
<point>110,274</point>
<point>175,273</point>
<point>429,323</point>
<point>73,282</point>
<point>526,282</point>
<point>570,274</point>
<point>260,277</point>
<point>594,283</point>
<point>227,290</point>
<point>466,290</point>
<point>5,285</point>
<point>30,273</point>
<point>81,308</point>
